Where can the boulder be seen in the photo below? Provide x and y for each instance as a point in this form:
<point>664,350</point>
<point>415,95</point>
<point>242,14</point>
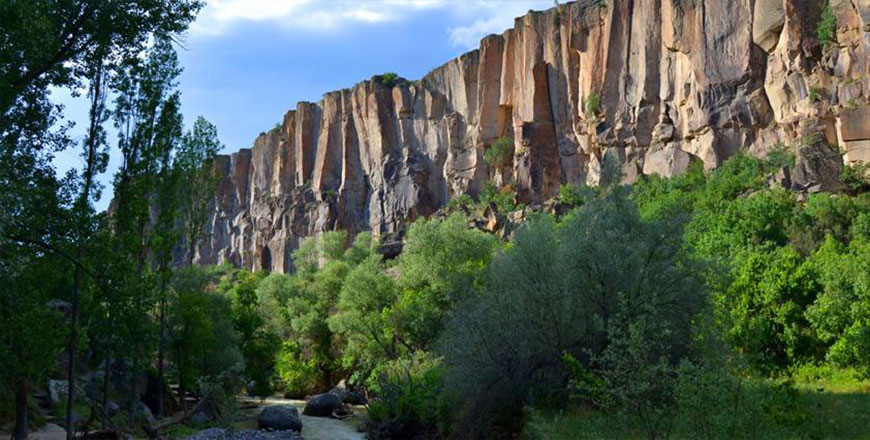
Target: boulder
<point>112,409</point>
<point>322,405</point>
<point>152,388</point>
<point>202,415</point>
<point>390,247</point>
<point>57,391</point>
<point>76,419</point>
<point>279,418</point>
<point>143,413</point>
<point>349,396</point>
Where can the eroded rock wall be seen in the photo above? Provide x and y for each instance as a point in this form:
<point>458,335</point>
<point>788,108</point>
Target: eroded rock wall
<point>675,81</point>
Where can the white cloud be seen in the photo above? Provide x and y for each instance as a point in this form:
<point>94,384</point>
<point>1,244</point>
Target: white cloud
<point>473,18</point>
<point>493,17</point>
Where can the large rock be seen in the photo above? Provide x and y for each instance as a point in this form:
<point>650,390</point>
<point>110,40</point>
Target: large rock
<point>767,23</point>
<point>57,391</point>
<point>112,409</point>
<point>143,414</point>
<point>652,84</point>
<point>349,396</point>
<point>279,418</point>
<point>322,405</point>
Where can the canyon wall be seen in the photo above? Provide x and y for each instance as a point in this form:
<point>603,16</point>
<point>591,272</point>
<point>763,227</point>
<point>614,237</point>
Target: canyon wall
<point>675,81</point>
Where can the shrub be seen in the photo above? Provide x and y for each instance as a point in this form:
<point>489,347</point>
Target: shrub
<point>219,394</point>
<point>296,375</point>
<point>814,94</point>
<point>826,30</point>
<point>501,153</point>
<point>575,195</point>
<point>409,402</point>
<point>504,199</point>
<point>712,403</point>
<point>388,79</point>
<point>592,103</point>
<point>460,201</point>
<point>856,177</point>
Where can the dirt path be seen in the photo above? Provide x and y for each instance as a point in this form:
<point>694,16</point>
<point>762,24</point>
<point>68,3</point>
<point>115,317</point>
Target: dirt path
<point>318,428</point>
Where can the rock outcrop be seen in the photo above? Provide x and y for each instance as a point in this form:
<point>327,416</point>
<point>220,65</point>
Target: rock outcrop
<point>650,84</point>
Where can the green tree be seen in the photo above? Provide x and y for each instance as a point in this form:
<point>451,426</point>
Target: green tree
<point>197,180</point>
<point>442,263</point>
<point>840,313</point>
<point>621,307</point>
<point>258,344</point>
<point>27,355</point>
<point>203,340</point>
<point>766,302</point>
<point>362,319</point>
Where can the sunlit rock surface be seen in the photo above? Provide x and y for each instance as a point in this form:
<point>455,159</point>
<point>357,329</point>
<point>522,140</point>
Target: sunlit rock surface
<point>677,81</point>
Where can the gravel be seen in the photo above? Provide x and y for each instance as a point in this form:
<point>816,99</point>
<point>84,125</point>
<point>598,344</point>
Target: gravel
<point>245,434</point>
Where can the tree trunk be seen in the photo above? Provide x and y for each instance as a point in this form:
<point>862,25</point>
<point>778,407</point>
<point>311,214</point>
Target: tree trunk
<point>160,355</point>
<point>106,371</point>
<point>71,371</point>
<point>20,431</point>
<point>133,399</point>
<point>181,389</point>
<point>97,100</point>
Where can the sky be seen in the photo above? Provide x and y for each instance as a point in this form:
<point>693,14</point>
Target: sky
<point>246,62</point>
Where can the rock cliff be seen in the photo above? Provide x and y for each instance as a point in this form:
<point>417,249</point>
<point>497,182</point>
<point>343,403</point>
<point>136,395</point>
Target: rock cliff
<point>651,84</point>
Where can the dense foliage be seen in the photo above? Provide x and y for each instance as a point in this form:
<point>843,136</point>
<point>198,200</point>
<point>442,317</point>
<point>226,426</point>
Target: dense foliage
<point>501,153</point>
<point>688,306</point>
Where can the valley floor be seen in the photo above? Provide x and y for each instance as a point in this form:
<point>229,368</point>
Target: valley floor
<point>313,428</point>
<point>835,406</point>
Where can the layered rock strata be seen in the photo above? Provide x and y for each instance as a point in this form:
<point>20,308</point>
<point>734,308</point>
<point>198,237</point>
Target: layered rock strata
<point>652,85</point>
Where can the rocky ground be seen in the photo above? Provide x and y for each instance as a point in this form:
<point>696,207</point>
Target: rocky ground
<point>313,428</point>
<point>245,434</point>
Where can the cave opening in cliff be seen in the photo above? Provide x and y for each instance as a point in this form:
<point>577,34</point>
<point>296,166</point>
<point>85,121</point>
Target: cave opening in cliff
<point>266,259</point>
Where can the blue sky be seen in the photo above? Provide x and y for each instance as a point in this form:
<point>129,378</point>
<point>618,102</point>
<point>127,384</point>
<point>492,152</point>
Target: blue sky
<point>246,62</point>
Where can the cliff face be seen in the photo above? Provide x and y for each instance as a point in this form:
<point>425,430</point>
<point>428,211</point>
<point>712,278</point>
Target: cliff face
<point>676,81</point>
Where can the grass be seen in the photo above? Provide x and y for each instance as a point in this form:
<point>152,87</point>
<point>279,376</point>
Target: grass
<point>181,431</point>
<point>829,403</point>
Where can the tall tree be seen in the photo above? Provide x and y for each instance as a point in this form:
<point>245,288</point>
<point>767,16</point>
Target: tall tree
<point>148,117</point>
<point>47,44</point>
<point>197,181</point>
<point>95,155</point>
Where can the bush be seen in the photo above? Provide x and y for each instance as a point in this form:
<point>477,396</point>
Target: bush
<point>410,402</point>
<point>826,30</point>
<point>388,79</point>
<point>711,403</point>
<point>501,153</point>
<point>575,195</point>
<point>815,93</point>
<point>593,101</point>
<point>296,375</point>
<point>219,395</point>
<point>856,177</point>
<point>504,199</point>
